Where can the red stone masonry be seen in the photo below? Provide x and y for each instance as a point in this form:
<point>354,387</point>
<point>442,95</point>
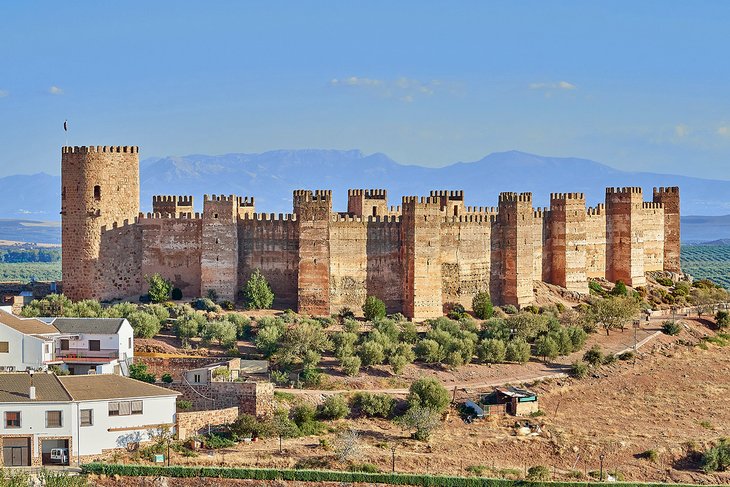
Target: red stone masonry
<point>417,257</point>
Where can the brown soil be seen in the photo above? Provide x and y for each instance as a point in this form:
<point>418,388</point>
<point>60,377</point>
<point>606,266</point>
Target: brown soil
<point>673,400</point>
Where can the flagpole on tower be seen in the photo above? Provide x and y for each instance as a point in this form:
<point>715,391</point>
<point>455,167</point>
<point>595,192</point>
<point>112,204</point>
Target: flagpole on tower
<point>65,130</point>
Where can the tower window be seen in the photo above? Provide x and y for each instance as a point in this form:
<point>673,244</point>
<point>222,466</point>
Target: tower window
<point>215,215</point>
<point>97,193</point>
<point>375,211</point>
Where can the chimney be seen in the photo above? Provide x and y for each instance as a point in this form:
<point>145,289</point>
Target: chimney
<point>31,393</point>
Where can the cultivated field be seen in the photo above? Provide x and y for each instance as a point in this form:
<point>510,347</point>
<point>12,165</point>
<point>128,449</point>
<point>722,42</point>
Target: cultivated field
<point>707,262</point>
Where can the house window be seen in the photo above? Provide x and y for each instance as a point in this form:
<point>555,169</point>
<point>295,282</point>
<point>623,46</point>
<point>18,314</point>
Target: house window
<point>64,344</point>
<point>12,419</point>
<point>125,408</point>
<point>4,347</point>
<point>113,409</point>
<point>94,345</point>
<point>87,417</point>
<point>46,348</point>
<point>97,193</point>
<point>196,378</point>
<point>53,419</point>
<point>129,345</point>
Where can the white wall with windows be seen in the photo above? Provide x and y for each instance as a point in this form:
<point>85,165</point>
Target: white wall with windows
<point>94,426</point>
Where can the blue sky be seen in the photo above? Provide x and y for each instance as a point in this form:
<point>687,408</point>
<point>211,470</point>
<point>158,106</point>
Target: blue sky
<point>637,85</point>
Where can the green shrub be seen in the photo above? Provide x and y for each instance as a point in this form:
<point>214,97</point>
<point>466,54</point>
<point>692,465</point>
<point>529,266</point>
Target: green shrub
<point>257,293</point>
<point>311,376</point>
<point>364,467</point>
<point>722,319</point>
<point>373,308</point>
<point>517,350</point>
<point>334,407</point>
<point>579,369</point>
<point>546,348</point>
<point>351,365</point>
<point>672,328</point>
<point>619,289</point>
<point>215,442</point>
<point>139,372</point>
<point>595,288</point>
<point>184,404</point>
<point>166,378</point>
<point>651,455</point>
<point>456,311</point>
<point>538,473</point>
<point>160,288</point>
<point>509,309</point>
<point>627,355</point>
<point>227,305</point>
<point>144,324</point>
<point>482,306</point>
<point>594,356</point>
<point>491,351</point>
<point>428,392</point>
<point>374,405</point>
<point>717,458</point>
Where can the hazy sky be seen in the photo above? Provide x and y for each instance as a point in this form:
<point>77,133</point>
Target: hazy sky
<point>637,85</point>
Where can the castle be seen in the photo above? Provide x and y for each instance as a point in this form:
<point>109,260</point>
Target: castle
<point>416,257</point>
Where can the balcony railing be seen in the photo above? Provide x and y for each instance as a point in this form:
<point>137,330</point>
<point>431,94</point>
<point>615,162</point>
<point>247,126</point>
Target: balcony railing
<point>85,355</point>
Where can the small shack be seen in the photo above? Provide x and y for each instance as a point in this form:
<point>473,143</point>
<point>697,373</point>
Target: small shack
<point>517,401</point>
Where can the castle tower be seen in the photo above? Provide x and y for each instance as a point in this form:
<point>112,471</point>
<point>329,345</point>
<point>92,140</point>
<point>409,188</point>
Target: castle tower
<point>219,246</point>
<point>451,202</point>
<point>669,197</point>
<point>367,202</point>
<point>421,257</point>
<point>172,206</point>
<point>625,236</point>
<point>567,241</point>
<point>99,187</point>
<point>516,228</point>
<point>313,212</point>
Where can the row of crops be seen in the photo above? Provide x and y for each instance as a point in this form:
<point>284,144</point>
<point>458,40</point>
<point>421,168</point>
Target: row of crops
<point>707,262</point>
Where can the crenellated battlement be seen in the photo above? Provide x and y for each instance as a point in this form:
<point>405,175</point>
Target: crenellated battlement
<point>599,209</point>
<point>118,225</point>
<point>221,198</point>
<point>168,216</point>
<point>473,218</point>
<point>511,197</point>
<point>566,196</point>
<point>263,217</point>
<point>345,218</point>
<point>490,210</point>
<point>420,200</point>
<point>669,189</point>
<point>624,190</point>
<point>368,194</point>
<point>649,205</point>
<point>395,209</point>
<point>132,149</point>
<point>540,212</point>
<point>178,200</point>
<point>457,195</point>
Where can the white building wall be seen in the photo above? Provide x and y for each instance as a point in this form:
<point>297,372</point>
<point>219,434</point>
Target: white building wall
<point>23,350</point>
<point>126,340</point>
<point>124,429</point>
<point>33,421</point>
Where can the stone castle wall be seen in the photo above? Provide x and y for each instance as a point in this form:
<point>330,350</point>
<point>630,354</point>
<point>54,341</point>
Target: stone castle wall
<point>417,257</point>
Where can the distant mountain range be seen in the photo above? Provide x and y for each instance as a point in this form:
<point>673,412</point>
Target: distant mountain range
<point>271,176</point>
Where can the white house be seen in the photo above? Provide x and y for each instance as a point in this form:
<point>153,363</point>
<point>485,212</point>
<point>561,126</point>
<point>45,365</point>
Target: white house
<point>79,415</point>
<point>79,345</point>
<point>88,345</point>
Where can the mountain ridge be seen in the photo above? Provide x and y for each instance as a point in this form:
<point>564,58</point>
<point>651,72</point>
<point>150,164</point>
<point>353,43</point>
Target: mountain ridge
<point>271,176</point>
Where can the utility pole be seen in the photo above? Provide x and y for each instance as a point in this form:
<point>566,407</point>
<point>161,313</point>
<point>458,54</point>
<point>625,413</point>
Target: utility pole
<point>600,475</point>
<point>392,451</point>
